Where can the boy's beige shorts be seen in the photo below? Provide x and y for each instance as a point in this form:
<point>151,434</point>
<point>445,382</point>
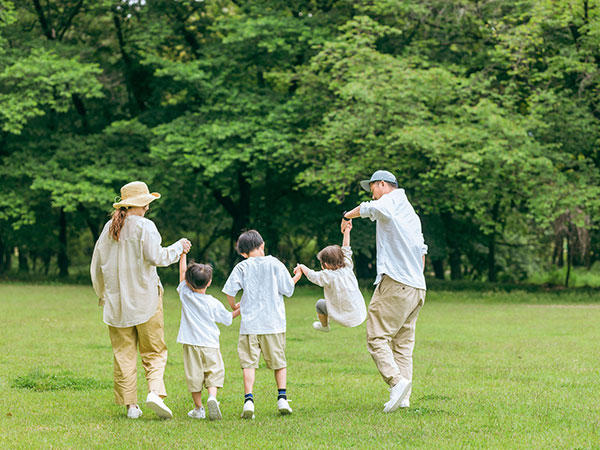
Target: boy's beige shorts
<point>203,366</point>
<point>272,347</point>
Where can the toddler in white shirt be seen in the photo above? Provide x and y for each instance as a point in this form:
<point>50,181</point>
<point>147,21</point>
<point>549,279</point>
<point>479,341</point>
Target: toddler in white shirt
<point>343,302</point>
<point>199,334</point>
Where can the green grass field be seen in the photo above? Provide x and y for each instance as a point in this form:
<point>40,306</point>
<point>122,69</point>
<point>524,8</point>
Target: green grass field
<point>492,370</point>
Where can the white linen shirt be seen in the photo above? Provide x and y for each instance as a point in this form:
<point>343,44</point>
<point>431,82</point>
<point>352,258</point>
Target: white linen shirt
<point>264,280</point>
<point>345,302</point>
<point>400,244</point>
<point>124,272</point>
<point>199,316</point>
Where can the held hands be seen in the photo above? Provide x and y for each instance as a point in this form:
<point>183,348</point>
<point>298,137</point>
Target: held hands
<point>187,245</point>
<point>346,225</point>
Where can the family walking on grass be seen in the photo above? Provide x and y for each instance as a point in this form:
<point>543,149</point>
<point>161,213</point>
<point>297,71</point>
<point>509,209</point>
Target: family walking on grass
<point>125,279</point>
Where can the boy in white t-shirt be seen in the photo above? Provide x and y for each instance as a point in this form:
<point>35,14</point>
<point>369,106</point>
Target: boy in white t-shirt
<point>343,302</point>
<point>199,334</point>
<point>264,280</point>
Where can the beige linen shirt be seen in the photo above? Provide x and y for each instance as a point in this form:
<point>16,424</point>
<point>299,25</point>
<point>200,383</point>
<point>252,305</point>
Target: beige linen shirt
<point>345,302</point>
<point>124,272</point>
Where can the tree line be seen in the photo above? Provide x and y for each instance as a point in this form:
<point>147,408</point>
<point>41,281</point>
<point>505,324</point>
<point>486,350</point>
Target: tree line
<point>266,114</point>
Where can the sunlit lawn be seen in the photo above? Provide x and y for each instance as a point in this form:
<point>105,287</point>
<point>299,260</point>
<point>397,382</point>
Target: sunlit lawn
<point>492,370</point>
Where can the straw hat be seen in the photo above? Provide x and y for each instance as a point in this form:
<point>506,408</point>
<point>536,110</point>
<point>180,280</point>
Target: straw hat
<point>135,193</point>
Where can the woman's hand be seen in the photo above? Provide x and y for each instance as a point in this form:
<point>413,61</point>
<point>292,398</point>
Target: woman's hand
<point>187,245</point>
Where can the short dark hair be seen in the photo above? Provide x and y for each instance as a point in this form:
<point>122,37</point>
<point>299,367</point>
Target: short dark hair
<point>333,256</point>
<point>389,183</point>
<point>198,275</point>
<point>248,241</point>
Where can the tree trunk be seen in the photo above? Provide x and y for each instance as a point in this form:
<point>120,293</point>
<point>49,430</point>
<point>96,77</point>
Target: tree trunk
<point>492,245</point>
<point>455,268</point>
<point>23,263</point>
<point>63,259</point>
<point>438,268</point>
<point>492,258</point>
<point>569,260</point>
<point>557,254</point>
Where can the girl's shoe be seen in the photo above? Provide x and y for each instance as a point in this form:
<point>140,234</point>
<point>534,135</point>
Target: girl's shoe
<point>319,327</point>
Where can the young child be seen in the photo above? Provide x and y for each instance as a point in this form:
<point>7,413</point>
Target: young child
<point>343,300</point>
<point>199,334</point>
<point>264,280</point>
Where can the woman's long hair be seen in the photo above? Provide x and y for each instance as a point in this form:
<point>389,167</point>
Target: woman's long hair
<point>118,220</point>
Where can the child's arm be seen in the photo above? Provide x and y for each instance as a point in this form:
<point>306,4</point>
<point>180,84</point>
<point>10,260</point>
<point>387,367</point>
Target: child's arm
<point>297,274</point>
<point>232,303</point>
<point>182,267</point>
<point>347,229</point>
<point>235,313</point>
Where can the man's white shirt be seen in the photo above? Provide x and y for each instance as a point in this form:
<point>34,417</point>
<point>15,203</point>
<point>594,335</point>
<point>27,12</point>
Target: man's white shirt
<point>400,243</point>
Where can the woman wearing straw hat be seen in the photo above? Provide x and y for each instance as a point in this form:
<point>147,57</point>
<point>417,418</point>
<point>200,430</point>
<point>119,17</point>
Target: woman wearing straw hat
<point>124,276</point>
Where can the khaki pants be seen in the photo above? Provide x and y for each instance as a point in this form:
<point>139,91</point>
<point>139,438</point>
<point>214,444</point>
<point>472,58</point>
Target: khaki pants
<point>391,319</point>
<point>149,337</point>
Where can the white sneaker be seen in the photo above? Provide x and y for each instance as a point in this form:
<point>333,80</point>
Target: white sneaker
<point>319,327</point>
<point>397,394</point>
<point>197,413</point>
<point>214,413</point>
<point>284,406</point>
<point>405,403</point>
<point>134,412</point>
<point>248,410</point>
<point>156,404</point>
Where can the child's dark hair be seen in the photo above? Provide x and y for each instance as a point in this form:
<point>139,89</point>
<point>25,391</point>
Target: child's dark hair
<point>332,256</point>
<point>198,275</point>
<point>248,241</point>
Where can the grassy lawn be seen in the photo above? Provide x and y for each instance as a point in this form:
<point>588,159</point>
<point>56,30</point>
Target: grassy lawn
<point>492,370</point>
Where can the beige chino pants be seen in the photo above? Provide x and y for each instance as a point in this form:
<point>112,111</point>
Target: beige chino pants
<point>391,320</point>
<point>149,336</point>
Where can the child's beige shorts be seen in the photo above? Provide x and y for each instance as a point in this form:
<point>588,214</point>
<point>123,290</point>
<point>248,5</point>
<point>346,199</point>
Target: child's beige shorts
<point>203,366</point>
<point>272,347</point>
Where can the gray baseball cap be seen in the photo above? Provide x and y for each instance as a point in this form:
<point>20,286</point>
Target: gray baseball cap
<point>379,175</point>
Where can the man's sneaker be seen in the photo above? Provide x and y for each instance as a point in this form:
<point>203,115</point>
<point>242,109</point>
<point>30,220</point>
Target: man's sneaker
<point>397,394</point>
<point>319,327</point>
<point>197,413</point>
<point>214,413</point>
<point>248,410</point>
<point>133,412</point>
<point>405,403</point>
<point>283,406</point>
<point>156,404</point>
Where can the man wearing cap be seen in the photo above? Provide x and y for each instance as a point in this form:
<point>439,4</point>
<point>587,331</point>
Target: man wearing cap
<point>124,276</point>
<point>400,283</point>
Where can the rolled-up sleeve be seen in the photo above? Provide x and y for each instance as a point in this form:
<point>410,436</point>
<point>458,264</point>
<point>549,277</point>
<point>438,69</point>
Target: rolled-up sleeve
<point>153,252</point>
<point>372,210</point>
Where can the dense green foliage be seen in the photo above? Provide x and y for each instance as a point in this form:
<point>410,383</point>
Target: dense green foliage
<point>266,114</point>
